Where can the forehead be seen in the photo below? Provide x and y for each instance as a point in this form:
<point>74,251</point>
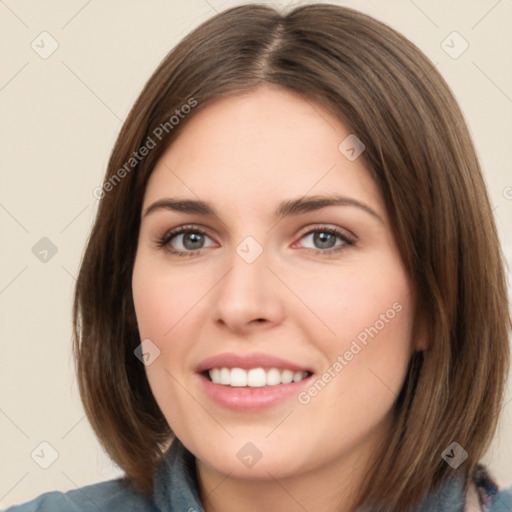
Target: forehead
<point>254,149</point>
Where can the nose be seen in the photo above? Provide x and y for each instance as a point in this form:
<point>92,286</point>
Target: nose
<point>249,296</point>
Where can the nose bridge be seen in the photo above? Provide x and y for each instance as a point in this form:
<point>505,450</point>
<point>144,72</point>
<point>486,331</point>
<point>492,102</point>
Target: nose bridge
<point>248,291</point>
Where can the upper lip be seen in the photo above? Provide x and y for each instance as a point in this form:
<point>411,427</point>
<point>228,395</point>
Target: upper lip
<point>248,361</point>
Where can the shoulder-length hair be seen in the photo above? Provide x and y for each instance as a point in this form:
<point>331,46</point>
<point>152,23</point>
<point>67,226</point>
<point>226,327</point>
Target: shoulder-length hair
<point>418,150</point>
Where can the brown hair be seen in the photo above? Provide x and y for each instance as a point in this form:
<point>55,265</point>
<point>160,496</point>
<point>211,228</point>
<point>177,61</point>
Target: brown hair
<point>420,153</point>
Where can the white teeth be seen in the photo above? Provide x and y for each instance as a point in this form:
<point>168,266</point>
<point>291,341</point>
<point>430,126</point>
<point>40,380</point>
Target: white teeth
<point>255,377</point>
<point>273,377</point>
<point>215,374</point>
<point>298,376</point>
<point>287,376</point>
<point>238,377</point>
<point>224,376</point>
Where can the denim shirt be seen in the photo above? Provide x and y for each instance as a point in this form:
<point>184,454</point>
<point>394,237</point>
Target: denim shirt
<point>176,490</point>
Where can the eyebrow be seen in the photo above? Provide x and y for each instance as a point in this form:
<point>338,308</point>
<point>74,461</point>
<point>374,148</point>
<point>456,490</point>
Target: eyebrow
<point>287,208</point>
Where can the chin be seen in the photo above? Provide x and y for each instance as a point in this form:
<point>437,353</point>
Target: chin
<point>243,459</point>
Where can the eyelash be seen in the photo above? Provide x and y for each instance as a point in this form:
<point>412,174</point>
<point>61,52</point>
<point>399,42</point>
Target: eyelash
<point>163,241</point>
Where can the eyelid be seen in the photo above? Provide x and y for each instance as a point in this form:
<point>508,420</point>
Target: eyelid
<point>329,228</point>
<point>347,237</point>
<point>178,230</point>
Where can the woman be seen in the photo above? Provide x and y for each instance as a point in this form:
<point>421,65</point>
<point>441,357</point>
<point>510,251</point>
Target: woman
<point>226,364</point>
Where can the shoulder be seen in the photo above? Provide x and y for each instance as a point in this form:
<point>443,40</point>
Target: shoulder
<point>489,496</point>
<point>502,501</point>
<point>112,495</point>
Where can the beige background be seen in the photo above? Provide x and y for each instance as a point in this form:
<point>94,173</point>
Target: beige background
<point>59,119</point>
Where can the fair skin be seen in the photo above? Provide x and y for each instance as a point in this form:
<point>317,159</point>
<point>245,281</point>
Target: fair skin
<point>244,155</point>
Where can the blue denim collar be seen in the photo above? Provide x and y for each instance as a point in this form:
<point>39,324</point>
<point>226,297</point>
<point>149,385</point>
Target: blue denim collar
<point>175,486</point>
<point>448,496</point>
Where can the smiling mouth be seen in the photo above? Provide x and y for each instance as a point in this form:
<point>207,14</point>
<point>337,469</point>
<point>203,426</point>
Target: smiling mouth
<point>255,377</point>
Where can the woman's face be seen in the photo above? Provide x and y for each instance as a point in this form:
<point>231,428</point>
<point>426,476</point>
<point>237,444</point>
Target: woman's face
<point>301,314</point>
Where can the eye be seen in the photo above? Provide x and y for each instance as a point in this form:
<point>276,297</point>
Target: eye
<point>192,239</point>
<point>325,237</point>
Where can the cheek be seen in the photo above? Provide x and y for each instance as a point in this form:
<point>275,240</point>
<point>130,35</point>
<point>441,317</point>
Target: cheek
<point>162,298</point>
<point>161,303</point>
<point>167,302</point>
<point>347,303</point>
<point>367,360</point>
<point>366,319</point>
<point>376,345</point>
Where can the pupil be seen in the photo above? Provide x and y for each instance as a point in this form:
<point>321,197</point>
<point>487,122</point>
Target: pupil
<point>321,239</point>
<point>194,237</point>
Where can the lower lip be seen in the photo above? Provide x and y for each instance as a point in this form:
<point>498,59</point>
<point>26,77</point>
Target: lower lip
<point>251,399</point>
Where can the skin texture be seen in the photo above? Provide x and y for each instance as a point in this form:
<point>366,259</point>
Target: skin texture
<point>244,154</point>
